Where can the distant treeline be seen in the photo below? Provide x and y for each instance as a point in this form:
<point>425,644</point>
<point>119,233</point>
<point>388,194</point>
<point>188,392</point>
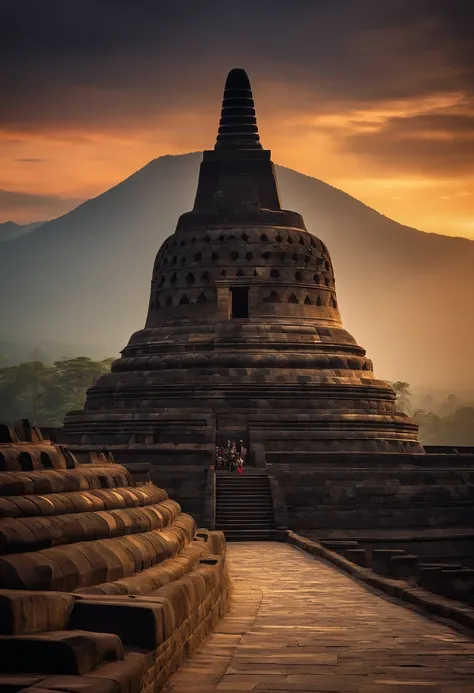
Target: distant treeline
<point>452,422</point>
<point>45,393</point>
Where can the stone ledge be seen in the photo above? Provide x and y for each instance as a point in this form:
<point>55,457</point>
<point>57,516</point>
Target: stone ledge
<point>24,612</point>
<point>460,615</point>
<point>59,652</point>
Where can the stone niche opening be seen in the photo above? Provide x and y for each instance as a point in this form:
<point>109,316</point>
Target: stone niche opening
<point>239,302</point>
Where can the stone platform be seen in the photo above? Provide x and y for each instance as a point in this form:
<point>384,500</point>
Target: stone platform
<point>298,624</point>
<point>105,587</point>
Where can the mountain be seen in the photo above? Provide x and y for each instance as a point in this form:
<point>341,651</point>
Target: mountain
<point>84,278</point>
<point>9,230</point>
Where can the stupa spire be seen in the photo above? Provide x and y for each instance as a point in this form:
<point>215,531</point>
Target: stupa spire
<point>238,124</point>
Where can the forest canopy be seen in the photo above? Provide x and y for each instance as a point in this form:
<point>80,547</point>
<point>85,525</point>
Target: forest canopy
<point>448,423</point>
<point>45,393</point>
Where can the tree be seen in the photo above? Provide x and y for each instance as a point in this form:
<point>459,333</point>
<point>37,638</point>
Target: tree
<point>458,427</point>
<point>22,389</point>
<point>449,406</point>
<point>44,394</point>
<point>430,427</point>
<point>403,392</point>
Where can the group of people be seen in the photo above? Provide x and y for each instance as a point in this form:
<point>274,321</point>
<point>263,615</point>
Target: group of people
<point>231,457</point>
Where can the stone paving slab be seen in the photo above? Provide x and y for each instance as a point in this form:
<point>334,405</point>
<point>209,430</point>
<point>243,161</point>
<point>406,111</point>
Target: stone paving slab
<point>298,624</point>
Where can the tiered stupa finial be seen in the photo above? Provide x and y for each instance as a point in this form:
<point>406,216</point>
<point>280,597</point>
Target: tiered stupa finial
<point>238,124</point>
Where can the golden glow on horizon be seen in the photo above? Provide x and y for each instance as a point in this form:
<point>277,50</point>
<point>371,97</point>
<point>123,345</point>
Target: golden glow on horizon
<point>71,165</point>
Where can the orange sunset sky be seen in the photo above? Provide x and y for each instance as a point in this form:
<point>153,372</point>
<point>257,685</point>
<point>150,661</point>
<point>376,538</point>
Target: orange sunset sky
<point>374,97</point>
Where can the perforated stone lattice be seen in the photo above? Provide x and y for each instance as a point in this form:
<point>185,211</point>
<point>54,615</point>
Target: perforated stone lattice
<point>287,258</point>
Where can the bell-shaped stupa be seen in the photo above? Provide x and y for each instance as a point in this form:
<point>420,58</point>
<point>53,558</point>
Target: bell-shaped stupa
<point>243,338</point>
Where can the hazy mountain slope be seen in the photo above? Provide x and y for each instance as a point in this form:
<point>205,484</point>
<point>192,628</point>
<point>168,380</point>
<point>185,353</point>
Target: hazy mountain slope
<point>9,230</point>
<point>84,277</point>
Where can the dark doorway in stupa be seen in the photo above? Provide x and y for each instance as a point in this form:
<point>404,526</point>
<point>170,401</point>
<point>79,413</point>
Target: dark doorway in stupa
<point>239,302</point>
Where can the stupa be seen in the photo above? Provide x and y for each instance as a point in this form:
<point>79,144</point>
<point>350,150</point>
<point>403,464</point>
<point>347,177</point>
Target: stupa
<point>243,338</point>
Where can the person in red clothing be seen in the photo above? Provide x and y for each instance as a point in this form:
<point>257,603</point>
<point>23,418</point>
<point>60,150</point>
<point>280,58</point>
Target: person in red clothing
<point>240,466</point>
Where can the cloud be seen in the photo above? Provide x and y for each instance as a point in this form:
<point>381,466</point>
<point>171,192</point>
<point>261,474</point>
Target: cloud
<point>117,63</point>
<point>31,161</point>
<point>458,195</point>
<point>428,143</point>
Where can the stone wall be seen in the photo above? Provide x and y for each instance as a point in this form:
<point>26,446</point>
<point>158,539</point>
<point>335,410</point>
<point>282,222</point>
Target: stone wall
<point>105,586</point>
<point>355,492</point>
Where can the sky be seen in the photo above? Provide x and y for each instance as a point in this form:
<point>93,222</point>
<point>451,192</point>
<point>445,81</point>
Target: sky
<point>375,97</point>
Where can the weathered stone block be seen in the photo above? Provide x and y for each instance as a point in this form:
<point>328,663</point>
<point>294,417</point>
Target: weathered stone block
<point>356,555</point>
<point>135,623</point>
<point>127,675</point>
<point>380,560</point>
<point>12,683</point>
<point>76,684</point>
<point>25,612</point>
<point>402,567</point>
<point>59,652</point>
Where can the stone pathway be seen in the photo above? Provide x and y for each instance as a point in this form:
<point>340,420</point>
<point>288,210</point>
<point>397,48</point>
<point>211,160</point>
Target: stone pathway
<point>297,624</point>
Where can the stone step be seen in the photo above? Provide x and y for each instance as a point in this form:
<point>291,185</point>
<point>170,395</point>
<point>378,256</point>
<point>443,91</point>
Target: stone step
<point>224,526</point>
<point>249,471</point>
<point>242,484</point>
<point>236,478</point>
<point>251,508</point>
<point>242,487</point>
<point>244,508</point>
<point>243,492</point>
<point>259,503</point>
<point>241,522</point>
<point>244,517</point>
<point>251,535</point>
<point>229,476</point>
<point>244,503</point>
<point>257,512</point>
<point>229,497</point>
<point>242,481</point>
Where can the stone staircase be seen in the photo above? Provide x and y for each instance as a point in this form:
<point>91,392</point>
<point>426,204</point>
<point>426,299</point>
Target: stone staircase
<point>244,506</point>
